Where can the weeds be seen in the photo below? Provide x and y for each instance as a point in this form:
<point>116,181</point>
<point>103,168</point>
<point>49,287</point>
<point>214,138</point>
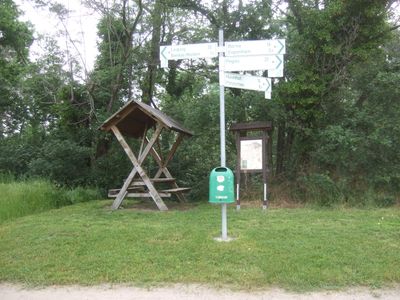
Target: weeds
<point>20,198</point>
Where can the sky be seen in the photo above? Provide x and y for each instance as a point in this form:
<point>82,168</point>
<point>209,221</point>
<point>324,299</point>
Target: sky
<point>81,26</point>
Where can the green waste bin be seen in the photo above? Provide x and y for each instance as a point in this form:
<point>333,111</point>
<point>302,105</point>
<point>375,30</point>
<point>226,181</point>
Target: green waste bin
<point>221,186</point>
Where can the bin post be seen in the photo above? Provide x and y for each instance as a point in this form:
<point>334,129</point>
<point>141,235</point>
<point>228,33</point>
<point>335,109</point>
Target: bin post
<point>224,230</point>
<point>222,192</point>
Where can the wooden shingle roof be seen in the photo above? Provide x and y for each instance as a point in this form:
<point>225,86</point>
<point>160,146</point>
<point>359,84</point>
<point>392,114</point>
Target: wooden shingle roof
<point>134,117</point>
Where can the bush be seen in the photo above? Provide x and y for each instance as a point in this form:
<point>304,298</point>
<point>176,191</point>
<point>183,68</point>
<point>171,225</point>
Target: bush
<point>7,177</point>
<point>81,194</point>
<point>62,161</point>
<point>320,189</point>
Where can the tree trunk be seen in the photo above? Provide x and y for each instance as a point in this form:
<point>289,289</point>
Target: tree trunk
<point>149,83</point>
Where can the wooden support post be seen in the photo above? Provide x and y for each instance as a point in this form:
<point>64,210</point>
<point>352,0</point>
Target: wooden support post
<point>264,161</point>
<point>137,168</point>
<point>143,139</point>
<point>123,191</point>
<point>163,166</point>
<point>173,149</point>
<point>237,135</point>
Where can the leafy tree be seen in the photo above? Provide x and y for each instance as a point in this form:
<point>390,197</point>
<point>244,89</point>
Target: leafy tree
<point>325,39</point>
<point>15,39</point>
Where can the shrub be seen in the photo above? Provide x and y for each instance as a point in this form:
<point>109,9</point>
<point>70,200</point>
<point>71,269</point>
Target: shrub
<point>81,194</point>
<point>320,189</point>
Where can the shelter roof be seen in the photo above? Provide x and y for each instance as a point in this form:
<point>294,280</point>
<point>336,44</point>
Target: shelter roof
<point>134,117</point>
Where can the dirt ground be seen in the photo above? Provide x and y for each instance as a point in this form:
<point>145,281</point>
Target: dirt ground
<point>187,292</point>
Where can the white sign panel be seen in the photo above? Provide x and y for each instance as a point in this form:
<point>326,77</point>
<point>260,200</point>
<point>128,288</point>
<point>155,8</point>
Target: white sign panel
<point>174,52</point>
<point>276,72</point>
<point>261,47</point>
<point>248,82</point>
<point>251,154</point>
<point>252,63</point>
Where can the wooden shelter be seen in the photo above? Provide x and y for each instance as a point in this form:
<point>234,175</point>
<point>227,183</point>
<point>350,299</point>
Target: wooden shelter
<point>135,119</point>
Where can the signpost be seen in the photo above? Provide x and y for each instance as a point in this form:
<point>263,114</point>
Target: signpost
<point>251,48</point>
<point>224,222</point>
<point>253,63</point>
<point>192,51</point>
<point>233,56</point>
<point>276,72</point>
<point>248,82</point>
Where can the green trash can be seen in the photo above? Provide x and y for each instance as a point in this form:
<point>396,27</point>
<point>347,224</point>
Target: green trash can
<point>221,186</point>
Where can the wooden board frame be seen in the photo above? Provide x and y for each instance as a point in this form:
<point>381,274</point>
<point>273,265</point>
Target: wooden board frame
<point>241,131</point>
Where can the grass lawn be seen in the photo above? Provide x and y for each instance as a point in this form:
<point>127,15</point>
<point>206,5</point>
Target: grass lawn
<point>297,249</point>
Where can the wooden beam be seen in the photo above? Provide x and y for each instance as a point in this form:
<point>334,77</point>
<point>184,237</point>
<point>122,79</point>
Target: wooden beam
<point>116,118</point>
<point>138,182</point>
<point>164,170</point>
<point>123,191</point>
<point>143,195</point>
<point>151,142</point>
<point>249,126</point>
<point>173,149</point>
<point>137,166</point>
<point>237,138</point>
<point>176,190</point>
<point>143,139</point>
<point>121,195</point>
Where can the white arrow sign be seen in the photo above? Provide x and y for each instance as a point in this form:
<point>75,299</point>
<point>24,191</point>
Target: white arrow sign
<point>203,50</point>
<point>261,47</point>
<point>248,82</point>
<point>276,72</point>
<point>253,63</point>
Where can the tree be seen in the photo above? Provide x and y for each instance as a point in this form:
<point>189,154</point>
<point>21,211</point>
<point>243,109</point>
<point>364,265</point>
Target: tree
<point>15,39</point>
<point>325,39</point>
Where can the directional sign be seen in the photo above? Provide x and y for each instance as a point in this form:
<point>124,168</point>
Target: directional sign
<point>252,63</point>
<point>248,82</point>
<point>261,47</point>
<point>276,72</point>
<point>203,50</point>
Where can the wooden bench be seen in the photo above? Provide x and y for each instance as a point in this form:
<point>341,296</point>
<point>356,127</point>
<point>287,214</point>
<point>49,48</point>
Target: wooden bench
<point>137,190</point>
<point>138,182</point>
<point>176,190</point>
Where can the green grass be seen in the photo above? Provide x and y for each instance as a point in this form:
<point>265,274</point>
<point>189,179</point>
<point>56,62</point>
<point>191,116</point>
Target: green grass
<point>21,198</point>
<point>297,249</point>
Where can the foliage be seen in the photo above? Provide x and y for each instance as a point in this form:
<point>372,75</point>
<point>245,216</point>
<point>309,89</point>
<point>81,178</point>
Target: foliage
<point>80,194</point>
<point>15,39</point>
<point>321,190</point>
<point>296,249</point>
<point>334,114</point>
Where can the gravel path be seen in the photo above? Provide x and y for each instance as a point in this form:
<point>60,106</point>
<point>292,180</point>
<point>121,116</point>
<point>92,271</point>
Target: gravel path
<point>187,292</point>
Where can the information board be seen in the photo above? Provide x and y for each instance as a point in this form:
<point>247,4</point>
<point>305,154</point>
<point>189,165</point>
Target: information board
<point>251,154</point>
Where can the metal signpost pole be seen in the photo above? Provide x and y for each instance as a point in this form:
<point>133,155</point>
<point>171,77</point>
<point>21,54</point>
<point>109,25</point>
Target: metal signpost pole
<point>232,57</point>
<point>224,236</point>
